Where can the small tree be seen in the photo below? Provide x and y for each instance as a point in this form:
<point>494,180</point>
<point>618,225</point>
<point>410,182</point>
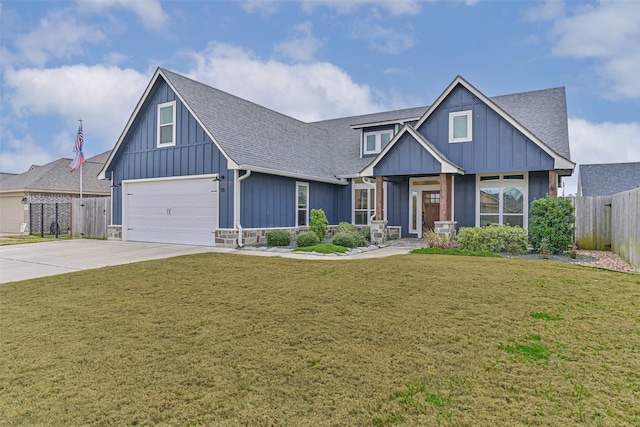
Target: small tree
<point>552,219</point>
<point>319,223</point>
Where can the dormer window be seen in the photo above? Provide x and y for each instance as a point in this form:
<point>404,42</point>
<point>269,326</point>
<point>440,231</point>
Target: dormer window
<point>167,124</point>
<point>374,142</point>
<point>460,126</point>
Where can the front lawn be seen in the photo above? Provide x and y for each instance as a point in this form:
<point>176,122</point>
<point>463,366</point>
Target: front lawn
<point>219,339</point>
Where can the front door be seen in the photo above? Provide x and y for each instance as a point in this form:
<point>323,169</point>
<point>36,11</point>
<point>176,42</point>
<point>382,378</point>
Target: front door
<point>430,209</point>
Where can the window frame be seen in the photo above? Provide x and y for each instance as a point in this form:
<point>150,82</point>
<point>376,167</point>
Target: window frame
<point>452,116</point>
<point>501,183</point>
<point>371,199</point>
<point>378,143</point>
<point>298,208</point>
<point>160,125</point>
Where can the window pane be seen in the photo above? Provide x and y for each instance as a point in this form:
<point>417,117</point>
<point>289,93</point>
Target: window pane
<point>489,219</point>
<point>166,134</point>
<point>361,217</point>
<point>384,139</point>
<point>371,143</point>
<point>302,196</point>
<point>460,126</point>
<point>512,177</point>
<point>513,220</point>
<point>302,217</point>
<point>490,178</point>
<point>513,200</point>
<point>166,115</point>
<point>489,200</point>
<point>361,199</point>
<point>414,210</point>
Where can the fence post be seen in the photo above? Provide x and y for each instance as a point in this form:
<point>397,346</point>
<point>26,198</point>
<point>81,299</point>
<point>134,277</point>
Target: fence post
<point>41,219</point>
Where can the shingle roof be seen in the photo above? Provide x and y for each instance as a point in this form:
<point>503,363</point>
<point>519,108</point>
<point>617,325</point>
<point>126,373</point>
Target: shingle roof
<point>608,178</point>
<point>255,136</point>
<point>57,177</point>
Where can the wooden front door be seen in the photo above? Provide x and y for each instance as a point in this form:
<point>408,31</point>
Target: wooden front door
<point>430,209</point>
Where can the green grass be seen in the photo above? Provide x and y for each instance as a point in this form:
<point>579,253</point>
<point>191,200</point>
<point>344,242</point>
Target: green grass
<point>544,316</point>
<point>455,251</point>
<point>230,340</point>
<point>326,248</point>
<point>29,238</point>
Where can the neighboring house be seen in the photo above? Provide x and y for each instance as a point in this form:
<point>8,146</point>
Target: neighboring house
<point>50,183</point>
<point>607,179</point>
<point>198,165</point>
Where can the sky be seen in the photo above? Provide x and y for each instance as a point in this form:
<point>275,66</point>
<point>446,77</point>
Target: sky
<point>61,61</point>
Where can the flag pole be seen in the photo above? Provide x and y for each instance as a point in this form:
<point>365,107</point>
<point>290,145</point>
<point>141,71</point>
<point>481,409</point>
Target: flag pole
<point>80,120</point>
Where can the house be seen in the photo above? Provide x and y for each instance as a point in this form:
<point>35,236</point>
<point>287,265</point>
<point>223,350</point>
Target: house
<point>200,166</point>
<point>50,183</point>
<point>606,179</point>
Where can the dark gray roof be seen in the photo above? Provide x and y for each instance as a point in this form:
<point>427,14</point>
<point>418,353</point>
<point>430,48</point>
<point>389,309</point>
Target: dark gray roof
<point>255,136</point>
<point>57,177</point>
<point>608,178</point>
<point>544,113</point>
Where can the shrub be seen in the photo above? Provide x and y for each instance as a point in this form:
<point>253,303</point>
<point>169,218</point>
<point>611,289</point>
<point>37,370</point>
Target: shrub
<point>366,233</point>
<point>494,238</point>
<point>307,238</point>
<point>346,227</point>
<point>552,219</point>
<point>349,240</point>
<point>319,223</point>
<point>278,238</point>
<point>435,240</point>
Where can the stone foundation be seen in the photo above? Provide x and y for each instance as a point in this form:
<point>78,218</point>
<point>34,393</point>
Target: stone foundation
<point>394,232</point>
<point>447,229</point>
<point>114,232</point>
<point>226,237</point>
<point>378,232</point>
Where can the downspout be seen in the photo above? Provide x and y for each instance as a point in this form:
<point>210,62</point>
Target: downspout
<point>240,179</point>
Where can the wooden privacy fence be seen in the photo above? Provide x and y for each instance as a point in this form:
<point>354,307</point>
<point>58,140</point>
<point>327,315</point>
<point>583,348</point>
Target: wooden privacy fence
<point>91,217</point>
<point>610,223</point>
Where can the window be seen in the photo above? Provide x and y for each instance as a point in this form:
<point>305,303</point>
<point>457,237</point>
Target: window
<point>460,126</point>
<point>364,202</point>
<point>167,124</point>
<point>502,199</point>
<point>374,142</point>
<point>302,204</point>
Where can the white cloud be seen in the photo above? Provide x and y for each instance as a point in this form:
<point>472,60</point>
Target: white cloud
<point>381,36</point>
<point>314,91</point>
<point>19,153</point>
<point>302,46</point>
<point>601,143</point>
<point>395,7</point>
<point>609,32</point>
<point>547,11</point>
<point>150,12</point>
<point>103,96</point>
<point>265,7</point>
<point>58,35</point>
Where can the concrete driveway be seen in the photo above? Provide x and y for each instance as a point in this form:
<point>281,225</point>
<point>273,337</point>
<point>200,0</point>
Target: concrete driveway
<point>31,260</point>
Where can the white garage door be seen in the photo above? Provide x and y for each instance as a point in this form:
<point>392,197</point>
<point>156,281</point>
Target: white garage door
<point>11,214</point>
<point>183,211</point>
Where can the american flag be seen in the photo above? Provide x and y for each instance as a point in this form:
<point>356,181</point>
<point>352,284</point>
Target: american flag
<point>77,148</point>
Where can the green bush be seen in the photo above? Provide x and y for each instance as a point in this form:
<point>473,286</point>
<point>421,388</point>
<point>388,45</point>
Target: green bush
<point>307,238</point>
<point>365,232</point>
<point>319,223</point>
<point>494,238</point>
<point>349,239</point>
<point>278,238</point>
<point>346,227</point>
<point>552,219</point>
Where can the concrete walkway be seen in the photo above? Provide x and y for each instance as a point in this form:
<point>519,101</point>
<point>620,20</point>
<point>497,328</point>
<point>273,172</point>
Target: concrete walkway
<point>32,260</point>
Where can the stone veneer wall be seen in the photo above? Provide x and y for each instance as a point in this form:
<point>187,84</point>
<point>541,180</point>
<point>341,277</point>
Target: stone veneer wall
<point>114,232</point>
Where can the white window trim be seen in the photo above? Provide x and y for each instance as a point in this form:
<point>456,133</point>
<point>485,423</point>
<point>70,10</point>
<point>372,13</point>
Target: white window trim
<point>368,186</point>
<point>298,185</point>
<point>419,189</point>
<point>378,135</point>
<point>173,139</point>
<point>469,137</point>
<point>501,183</point>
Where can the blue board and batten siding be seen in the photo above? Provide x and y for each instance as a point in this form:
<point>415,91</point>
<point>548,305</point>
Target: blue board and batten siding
<point>407,157</point>
<point>270,201</point>
<point>194,153</point>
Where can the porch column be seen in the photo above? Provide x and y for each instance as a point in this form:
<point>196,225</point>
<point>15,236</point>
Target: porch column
<point>379,198</point>
<point>553,184</point>
<point>446,196</point>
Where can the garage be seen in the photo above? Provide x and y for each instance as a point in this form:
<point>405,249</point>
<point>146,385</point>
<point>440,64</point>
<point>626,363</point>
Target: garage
<point>171,210</point>
<point>11,213</point>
